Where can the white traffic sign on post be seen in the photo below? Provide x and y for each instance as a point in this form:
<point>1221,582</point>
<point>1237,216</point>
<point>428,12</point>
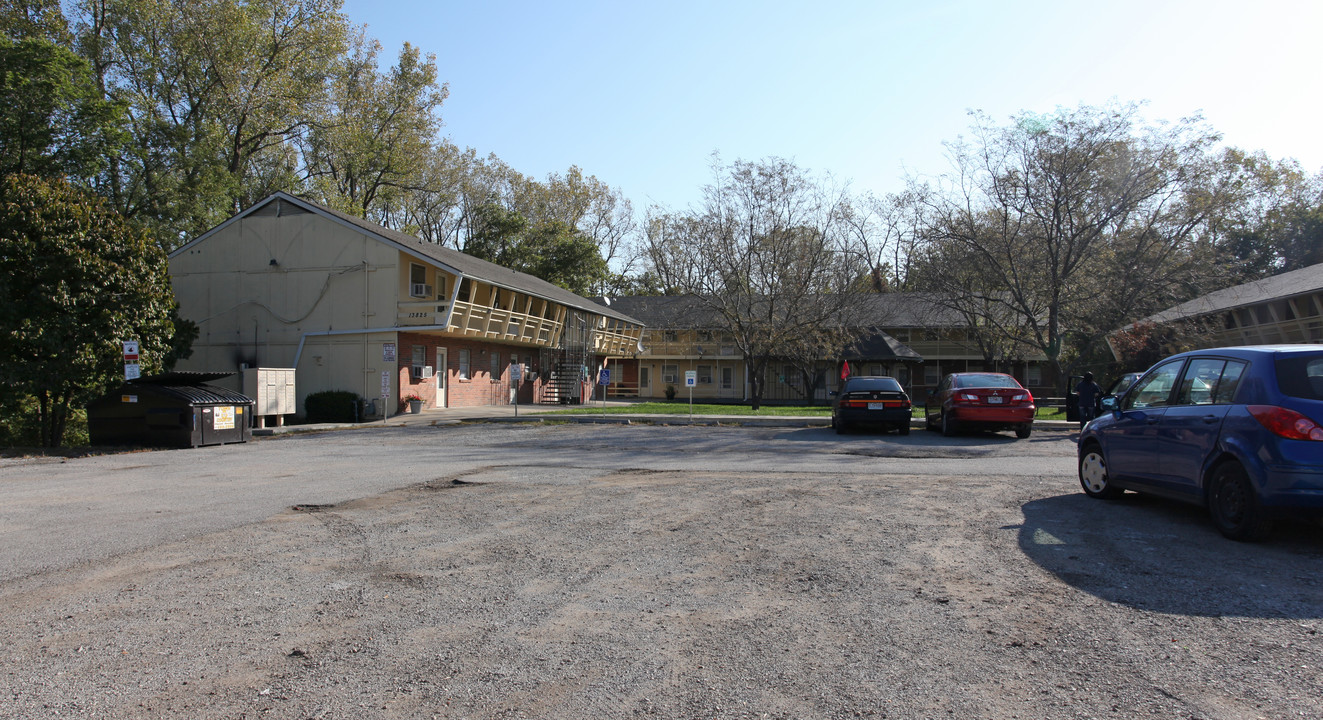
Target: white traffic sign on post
<point>385,383</point>
<point>690,378</point>
<point>132,371</point>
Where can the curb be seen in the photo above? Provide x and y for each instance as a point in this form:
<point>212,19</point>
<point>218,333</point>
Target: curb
<point>667,420</point>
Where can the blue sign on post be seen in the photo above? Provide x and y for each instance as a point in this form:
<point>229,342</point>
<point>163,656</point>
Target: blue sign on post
<point>605,378</point>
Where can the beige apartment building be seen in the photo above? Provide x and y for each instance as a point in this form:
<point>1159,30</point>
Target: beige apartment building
<point>354,306</point>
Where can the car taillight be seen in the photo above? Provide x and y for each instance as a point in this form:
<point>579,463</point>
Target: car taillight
<point>967,397</point>
<point>1286,423</point>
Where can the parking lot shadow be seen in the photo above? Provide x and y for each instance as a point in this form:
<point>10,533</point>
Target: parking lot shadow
<point>1166,557</point>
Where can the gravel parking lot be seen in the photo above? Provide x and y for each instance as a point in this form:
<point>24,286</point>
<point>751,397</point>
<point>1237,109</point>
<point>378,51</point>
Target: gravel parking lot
<point>604,571</point>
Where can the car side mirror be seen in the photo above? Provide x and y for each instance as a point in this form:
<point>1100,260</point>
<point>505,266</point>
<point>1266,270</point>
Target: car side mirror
<point>832,393</point>
<point>1109,403</point>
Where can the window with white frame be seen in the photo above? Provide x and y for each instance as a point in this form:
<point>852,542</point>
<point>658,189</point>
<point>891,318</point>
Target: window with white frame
<point>1033,375</point>
<point>418,281</point>
<point>669,373</point>
<point>463,364</point>
<point>704,374</point>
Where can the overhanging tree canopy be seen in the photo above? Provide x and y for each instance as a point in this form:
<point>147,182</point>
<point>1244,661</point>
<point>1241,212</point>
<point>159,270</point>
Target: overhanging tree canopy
<point>75,281</point>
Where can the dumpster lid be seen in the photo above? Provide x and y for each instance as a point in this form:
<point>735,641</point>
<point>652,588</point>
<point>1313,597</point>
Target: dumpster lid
<point>180,377</point>
<point>200,394</point>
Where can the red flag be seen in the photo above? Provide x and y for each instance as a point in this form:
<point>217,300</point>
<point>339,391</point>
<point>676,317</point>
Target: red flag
<point>845,369</point>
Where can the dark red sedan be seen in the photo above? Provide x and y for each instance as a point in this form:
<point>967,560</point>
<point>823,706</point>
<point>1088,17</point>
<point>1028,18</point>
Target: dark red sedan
<point>980,400</point>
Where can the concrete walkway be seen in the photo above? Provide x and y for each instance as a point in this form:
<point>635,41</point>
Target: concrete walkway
<point>540,413</point>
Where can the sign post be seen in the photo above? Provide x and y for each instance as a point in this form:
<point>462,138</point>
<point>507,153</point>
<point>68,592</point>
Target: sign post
<point>604,379</point>
<point>385,394</point>
<point>516,375</point>
<point>690,380</point>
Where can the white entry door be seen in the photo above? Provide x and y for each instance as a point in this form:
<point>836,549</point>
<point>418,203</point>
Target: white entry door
<point>441,375</point>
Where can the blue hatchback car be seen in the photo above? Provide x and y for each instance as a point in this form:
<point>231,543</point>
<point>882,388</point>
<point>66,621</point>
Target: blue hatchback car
<point>1238,429</point>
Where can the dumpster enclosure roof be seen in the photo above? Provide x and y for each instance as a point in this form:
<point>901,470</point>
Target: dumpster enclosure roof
<point>187,386</point>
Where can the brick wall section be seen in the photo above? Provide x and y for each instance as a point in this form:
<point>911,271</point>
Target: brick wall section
<point>479,389</point>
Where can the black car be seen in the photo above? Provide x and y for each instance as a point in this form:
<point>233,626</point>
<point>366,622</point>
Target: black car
<point>871,400</point>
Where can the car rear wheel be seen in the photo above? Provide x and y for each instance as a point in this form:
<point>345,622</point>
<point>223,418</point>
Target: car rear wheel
<point>903,429</point>
<point>1022,431</point>
<point>1234,506</point>
<point>1093,475</point>
<point>948,425</point>
<point>841,427</point>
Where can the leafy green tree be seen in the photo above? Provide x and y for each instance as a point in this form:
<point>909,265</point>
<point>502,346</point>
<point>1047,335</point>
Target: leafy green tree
<point>53,120</point>
<point>1276,223</point>
<point>371,145</point>
<point>218,92</point>
<point>769,254</point>
<point>551,250</point>
<point>1073,220</point>
<point>75,281</point>
<point>34,20</point>
<point>496,234</point>
<point>559,254</point>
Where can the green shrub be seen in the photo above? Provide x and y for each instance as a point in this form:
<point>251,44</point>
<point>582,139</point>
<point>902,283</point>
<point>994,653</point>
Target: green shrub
<point>19,426</point>
<point>332,406</point>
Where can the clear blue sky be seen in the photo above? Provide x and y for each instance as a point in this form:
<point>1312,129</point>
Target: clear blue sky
<point>640,94</point>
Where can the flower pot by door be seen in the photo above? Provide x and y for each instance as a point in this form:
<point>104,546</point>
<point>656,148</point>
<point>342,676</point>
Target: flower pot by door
<point>415,406</point>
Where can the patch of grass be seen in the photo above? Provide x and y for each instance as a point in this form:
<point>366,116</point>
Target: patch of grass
<point>661,408</point>
<point>681,408</point>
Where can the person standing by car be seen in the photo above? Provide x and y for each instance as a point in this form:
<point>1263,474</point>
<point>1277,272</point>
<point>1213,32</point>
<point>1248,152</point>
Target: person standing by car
<point>1088,392</point>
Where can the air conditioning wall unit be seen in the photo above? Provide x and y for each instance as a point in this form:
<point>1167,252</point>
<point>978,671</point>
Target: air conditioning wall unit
<point>420,290</point>
<point>427,371</point>
<point>420,371</point>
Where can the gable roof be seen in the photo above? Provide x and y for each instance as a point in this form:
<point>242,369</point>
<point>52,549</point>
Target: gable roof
<point>1278,287</point>
<point>688,312</point>
<point>668,311</point>
<point>452,260</point>
<point>895,310</point>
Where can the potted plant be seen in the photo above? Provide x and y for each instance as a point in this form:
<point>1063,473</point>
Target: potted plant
<point>670,392</point>
<point>415,403</point>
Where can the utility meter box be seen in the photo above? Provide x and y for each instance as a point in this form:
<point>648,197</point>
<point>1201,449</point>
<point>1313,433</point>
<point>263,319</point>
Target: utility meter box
<point>272,391</point>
